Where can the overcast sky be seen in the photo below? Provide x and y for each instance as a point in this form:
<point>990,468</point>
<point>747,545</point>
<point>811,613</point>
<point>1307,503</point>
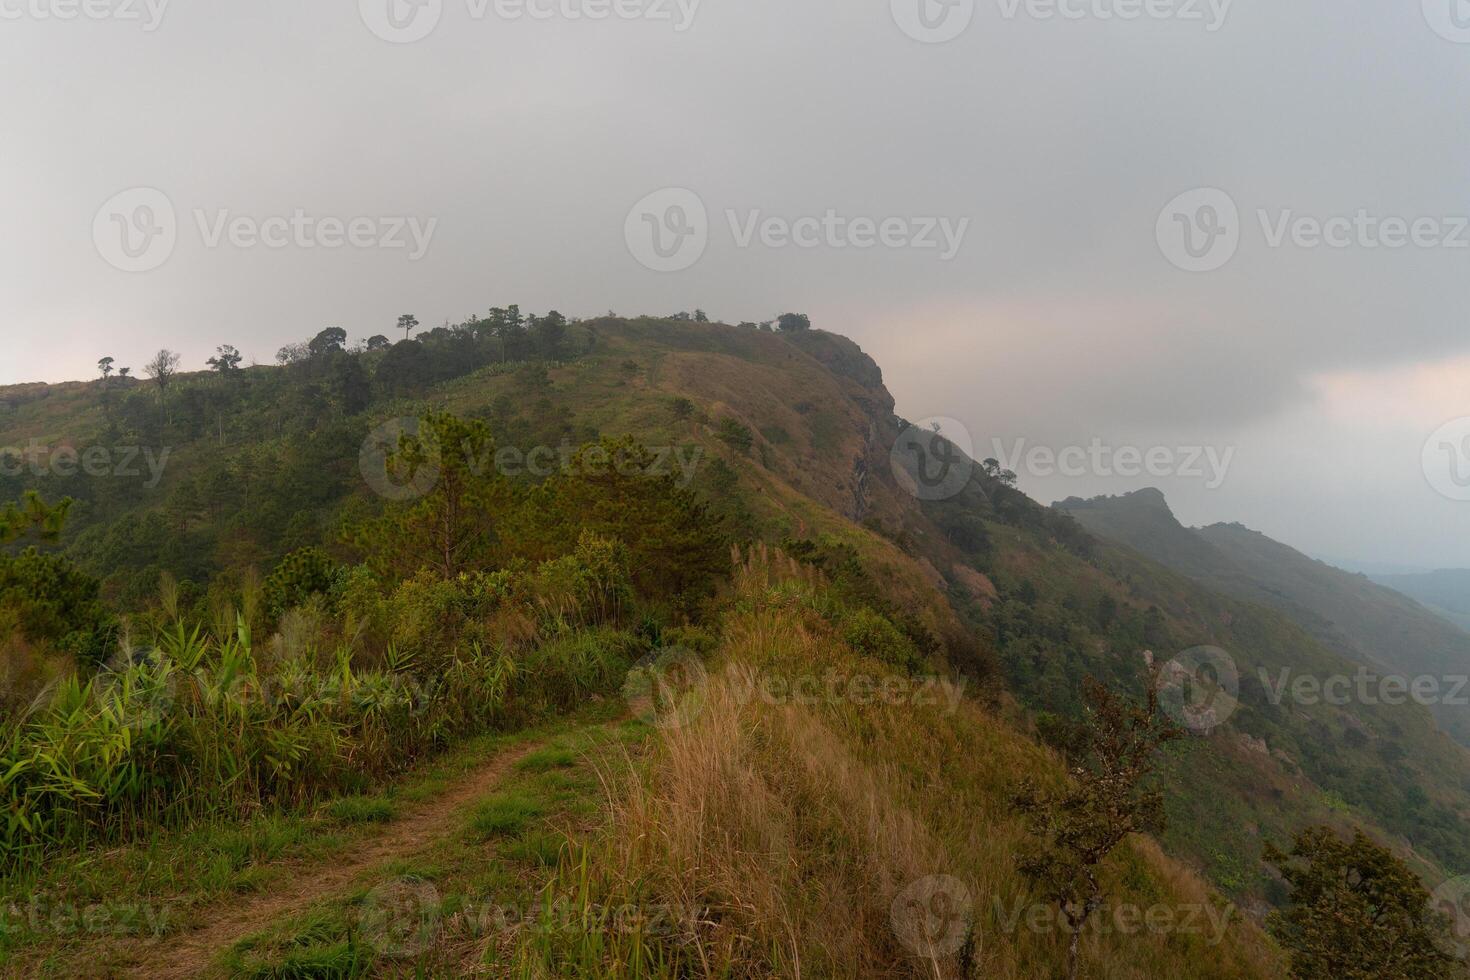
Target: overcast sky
<point>530,152</point>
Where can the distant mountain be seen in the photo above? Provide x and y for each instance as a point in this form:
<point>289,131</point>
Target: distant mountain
<point>1351,614</point>
<point>1445,592</point>
<point>1372,569</point>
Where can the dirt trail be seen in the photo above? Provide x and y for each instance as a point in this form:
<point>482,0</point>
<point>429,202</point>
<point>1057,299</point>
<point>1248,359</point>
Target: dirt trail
<point>192,954</point>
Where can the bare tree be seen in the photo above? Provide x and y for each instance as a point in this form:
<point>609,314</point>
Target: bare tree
<point>162,368</point>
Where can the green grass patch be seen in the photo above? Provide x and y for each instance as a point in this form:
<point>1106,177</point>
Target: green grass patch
<point>320,946</point>
<point>362,809</point>
<point>547,759</point>
<point>505,814</point>
<point>537,848</point>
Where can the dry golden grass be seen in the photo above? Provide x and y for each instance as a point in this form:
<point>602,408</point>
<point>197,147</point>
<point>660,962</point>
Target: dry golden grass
<point>800,829</point>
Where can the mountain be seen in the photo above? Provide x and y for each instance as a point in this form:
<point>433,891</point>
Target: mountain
<point>1445,592</point>
<point>799,823</point>
<point>1364,621</point>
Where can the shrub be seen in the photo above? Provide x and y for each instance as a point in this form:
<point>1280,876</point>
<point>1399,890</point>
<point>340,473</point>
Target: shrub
<point>436,618</point>
<point>677,548</point>
<point>736,434</point>
<point>870,634</point>
<point>194,729</point>
<point>48,599</point>
<point>300,575</point>
<point>591,585</point>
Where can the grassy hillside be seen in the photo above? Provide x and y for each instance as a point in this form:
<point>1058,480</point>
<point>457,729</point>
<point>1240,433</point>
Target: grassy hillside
<point>1360,619</point>
<point>256,529</point>
<point>1445,592</point>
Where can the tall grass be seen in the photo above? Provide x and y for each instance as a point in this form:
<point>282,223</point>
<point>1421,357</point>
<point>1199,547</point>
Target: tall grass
<point>784,833</point>
<point>194,728</point>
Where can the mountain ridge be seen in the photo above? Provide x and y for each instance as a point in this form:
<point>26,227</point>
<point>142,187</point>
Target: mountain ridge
<point>798,435</point>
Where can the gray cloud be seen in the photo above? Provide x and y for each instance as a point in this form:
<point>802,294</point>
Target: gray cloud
<point>529,141</point>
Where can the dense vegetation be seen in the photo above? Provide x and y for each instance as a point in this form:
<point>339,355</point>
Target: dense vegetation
<point>321,577</point>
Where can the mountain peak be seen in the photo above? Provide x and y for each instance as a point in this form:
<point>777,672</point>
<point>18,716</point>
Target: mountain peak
<point>1146,499</point>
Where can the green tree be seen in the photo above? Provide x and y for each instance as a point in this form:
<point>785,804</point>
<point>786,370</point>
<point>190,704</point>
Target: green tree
<point>404,367</point>
<point>619,490</point>
<point>33,517</point>
<point>408,323</point>
<point>1103,803</point>
<point>47,598</point>
<point>451,528</point>
<point>794,321</point>
<point>300,575</point>
<point>226,360</point>
<point>1357,912</point>
<point>350,385</point>
<point>549,335</point>
<point>508,326</point>
<point>331,340</point>
<point>736,433</point>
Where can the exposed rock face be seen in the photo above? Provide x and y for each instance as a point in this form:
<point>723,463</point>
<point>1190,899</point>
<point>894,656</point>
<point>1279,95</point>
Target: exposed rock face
<point>1257,745</point>
<point>859,488</point>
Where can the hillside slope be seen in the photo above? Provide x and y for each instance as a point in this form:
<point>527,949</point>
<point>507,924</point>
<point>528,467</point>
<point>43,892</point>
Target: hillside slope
<point>1445,592</point>
<point>1364,621</point>
<point>793,438</point>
